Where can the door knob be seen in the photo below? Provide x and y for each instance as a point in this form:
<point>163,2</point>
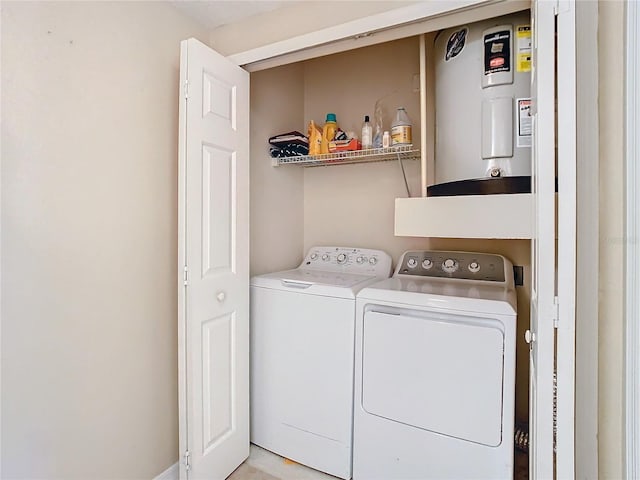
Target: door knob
<point>529,337</point>
<point>221,296</point>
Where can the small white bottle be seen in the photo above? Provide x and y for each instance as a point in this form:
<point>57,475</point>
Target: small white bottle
<point>386,138</point>
<point>367,134</point>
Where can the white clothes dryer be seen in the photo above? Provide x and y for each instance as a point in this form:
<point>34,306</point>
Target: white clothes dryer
<point>435,370</point>
<point>302,354</point>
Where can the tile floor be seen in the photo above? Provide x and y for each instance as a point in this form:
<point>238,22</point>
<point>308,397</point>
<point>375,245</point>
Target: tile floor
<point>264,465</point>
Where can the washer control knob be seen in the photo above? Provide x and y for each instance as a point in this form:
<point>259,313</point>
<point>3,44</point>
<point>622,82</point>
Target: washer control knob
<point>360,260</point>
<point>342,258</point>
<point>449,265</point>
<point>427,263</point>
<point>313,256</point>
<point>474,267</point>
<point>412,263</point>
<point>325,257</point>
<point>373,260</point>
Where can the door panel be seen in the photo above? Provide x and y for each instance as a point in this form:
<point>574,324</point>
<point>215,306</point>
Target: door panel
<point>217,379</point>
<point>218,98</point>
<point>219,208</point>
<point>214,293</point>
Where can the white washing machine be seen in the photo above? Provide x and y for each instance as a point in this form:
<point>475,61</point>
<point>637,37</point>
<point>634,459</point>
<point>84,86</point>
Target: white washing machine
<point>435,370</point>
<point>302,354</point>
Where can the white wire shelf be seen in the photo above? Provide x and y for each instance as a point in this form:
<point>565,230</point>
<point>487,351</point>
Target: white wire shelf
<point>402,152</point>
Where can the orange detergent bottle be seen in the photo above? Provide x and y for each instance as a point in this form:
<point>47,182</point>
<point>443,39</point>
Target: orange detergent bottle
<point>328,132</point>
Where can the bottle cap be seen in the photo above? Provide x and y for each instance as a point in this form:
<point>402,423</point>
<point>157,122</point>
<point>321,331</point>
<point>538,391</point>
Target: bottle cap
<point>331,117</point>
<point>366,118</point>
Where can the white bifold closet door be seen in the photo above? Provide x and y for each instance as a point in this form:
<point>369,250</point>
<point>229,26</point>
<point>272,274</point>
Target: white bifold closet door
<point>213,263</point>
<point>551,335</point>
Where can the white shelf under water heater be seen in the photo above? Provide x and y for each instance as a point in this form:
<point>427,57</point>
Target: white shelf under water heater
<point>508,216</point>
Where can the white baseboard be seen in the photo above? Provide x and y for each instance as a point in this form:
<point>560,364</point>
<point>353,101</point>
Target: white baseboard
<point>171,473</point>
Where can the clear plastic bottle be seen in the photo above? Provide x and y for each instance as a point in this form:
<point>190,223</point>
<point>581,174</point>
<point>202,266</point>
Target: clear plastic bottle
<point>367,134</point>
<point>401,128</point>
<point>385,139</point>
<point>377,129</point>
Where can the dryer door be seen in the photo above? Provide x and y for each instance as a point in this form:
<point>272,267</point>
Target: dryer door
<point>438,372</point>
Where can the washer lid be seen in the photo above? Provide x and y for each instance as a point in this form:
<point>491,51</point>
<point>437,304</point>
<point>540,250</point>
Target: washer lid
<point>316,282</point>
<point>443,294</point>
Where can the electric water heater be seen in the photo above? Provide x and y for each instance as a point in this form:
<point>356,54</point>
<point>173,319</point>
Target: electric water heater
<point>483,100</point>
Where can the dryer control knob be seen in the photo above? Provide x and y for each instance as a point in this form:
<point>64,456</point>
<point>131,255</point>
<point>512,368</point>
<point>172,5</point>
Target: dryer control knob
<point>427,263</point>
<point>412,263</point>
<point>360,260</point>
<point>474,267</point>
<point>373,260</point>
<point>449,265</point>
<point>325,257</point>
<point>313,256</point>
<point>342,258</point>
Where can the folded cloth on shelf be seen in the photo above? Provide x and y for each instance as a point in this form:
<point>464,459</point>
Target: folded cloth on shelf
<point>289,138</point>
<point>290,144</point>
<point>290,150</point>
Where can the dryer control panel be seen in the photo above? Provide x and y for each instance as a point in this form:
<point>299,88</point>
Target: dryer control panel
<point>455,265</point>
<point>363,261</point>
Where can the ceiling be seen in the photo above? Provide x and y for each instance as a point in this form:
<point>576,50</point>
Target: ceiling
<point>213,14</point>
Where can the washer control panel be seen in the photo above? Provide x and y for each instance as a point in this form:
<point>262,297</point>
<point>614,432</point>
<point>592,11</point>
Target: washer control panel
<point>458,265</point>
<point>362,261</point>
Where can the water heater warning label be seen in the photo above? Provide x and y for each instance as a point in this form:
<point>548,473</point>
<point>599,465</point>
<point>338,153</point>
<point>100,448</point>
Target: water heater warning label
<point>524,122</point>
<point>497,52</point>
<point>523,48</point>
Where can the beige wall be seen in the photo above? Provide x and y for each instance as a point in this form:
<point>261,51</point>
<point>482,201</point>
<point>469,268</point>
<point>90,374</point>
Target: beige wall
<point>586,409</point>
<point>277,194</point>
<point>354,204</point>
<point>89,238</point>
<point>611,308</point>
